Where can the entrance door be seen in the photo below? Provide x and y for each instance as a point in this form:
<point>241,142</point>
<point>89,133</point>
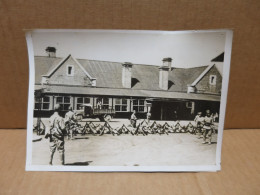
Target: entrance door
<point>165,110</point>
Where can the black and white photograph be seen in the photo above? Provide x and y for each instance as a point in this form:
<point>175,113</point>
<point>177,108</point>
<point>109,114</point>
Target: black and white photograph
<point>127,100</point>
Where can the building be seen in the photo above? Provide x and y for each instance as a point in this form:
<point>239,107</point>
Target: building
<point>126,87</point>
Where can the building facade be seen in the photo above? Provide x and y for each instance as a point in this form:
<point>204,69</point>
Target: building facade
<point>163,90</point>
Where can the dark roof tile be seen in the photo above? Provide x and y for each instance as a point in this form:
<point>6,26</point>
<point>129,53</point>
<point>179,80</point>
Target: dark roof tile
<point>109,74</point>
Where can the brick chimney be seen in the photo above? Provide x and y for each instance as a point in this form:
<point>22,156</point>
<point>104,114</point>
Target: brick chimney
<point>167,62</point>
<point>51,51</point>
<point>191,89</point>
<point>164,73</point>
<point>127,74</point>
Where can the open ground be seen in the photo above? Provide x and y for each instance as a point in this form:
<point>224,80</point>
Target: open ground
<point>128,150</point>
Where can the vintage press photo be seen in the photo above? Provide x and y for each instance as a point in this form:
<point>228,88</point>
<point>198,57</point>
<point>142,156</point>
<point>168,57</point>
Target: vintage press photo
<point>122,100</point>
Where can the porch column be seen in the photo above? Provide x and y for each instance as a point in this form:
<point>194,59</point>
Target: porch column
<point>162,111</point>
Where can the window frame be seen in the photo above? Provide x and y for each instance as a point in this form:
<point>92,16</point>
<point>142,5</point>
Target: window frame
<point>103,105</point>
<point>72,70</point>
<point>121,104</point>
<point>214,80</point>
<point>83,101</point>
<point>138,105</point>
<point>42,102</point>
<point>63,102</point>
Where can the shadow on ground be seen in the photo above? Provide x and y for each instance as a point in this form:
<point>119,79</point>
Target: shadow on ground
<point>79,163</point>
<point>81,137</point>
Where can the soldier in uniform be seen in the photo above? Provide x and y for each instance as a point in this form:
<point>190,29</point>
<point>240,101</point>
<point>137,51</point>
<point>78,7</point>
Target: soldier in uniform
<point>55,132</point>
<point>70,122</point>
<point>133,119</point>
<point>208,127</point>
<point>190,128</point>
<point>148,117</point>
<point>199,120</point>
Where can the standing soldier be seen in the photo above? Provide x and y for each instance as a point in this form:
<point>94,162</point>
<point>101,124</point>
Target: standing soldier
<point>55,133</point>
<point>148,117</point>
<point>133,119</point>
<point>199,124</point>
<point>99,104</point>
<point>208,127</point>
<point>175,115</point>
<point>70,122</point>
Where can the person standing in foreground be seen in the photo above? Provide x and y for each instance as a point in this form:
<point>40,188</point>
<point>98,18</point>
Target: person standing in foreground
<point>55,133</point>
<point>133,119</point>
<point>199,121</point>
<point>208,127</point>
<point>148,117</point>
<point>70,122</point>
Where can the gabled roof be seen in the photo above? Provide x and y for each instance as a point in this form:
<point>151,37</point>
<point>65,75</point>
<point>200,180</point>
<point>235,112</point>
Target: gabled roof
<point>55,67</point>
<point>109,74</point>
<point>42,66</point>
<point>219,58</point>
<point>202,75</point>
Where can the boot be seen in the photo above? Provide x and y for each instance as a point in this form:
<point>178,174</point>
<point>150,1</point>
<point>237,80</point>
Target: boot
<point>62,158</point>
<point>51,157</point>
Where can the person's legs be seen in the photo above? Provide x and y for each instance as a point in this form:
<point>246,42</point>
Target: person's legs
<point>199,131</point>
<point>52,151</point>
<point>61,150</point>
<point>62,157</point>
<point>210,136</point>
<point>134,124</point>
<point>204,136</point>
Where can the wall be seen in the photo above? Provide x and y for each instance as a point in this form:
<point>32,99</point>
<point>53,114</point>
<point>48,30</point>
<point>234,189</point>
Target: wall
<point>240,15</point>
<point>60,75</point>
<point>203,86</point>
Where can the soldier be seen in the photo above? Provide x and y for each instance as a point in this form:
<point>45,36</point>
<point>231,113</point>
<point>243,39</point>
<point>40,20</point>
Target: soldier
<point>190,128</point>
<point>145,124</point>
<point>55,132</point>
<point>70,123</point>
<point>179,128</point>
<point>208,127</point>
<point>199,124</point>
<point>133,119</point>
<point>175,115</point>
<point>99,104</point>
<point>148,117</point>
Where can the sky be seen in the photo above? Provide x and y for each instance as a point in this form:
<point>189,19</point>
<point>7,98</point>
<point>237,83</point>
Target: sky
<point>186,49</point>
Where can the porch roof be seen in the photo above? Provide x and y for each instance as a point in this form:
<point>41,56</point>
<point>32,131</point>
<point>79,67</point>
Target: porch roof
<point>127,93</point>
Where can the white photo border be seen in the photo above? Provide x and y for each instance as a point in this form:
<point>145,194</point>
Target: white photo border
<point>185,168</point>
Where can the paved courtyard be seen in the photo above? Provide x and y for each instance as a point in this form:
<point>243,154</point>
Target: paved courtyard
<point>129,150</point>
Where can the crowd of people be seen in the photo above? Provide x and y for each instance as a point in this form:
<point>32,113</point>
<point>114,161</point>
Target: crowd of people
<point>60,127</point>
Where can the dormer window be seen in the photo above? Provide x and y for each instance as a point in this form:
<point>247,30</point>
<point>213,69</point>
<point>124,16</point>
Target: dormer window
<point>212,79</point>
<point>70,70</point>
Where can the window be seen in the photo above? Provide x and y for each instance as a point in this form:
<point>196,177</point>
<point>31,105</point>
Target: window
<point>189,104</point>
<point>138,105</point>
<point>70,70</point>
<point>120,105</point>
<point>64,102</point>
<point>42,103</point>
<point>82,100</point>
<point>104,102</point>
<point>212,79</point>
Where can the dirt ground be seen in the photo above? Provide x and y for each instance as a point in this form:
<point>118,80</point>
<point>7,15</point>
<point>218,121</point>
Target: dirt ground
<point>129,150</point>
